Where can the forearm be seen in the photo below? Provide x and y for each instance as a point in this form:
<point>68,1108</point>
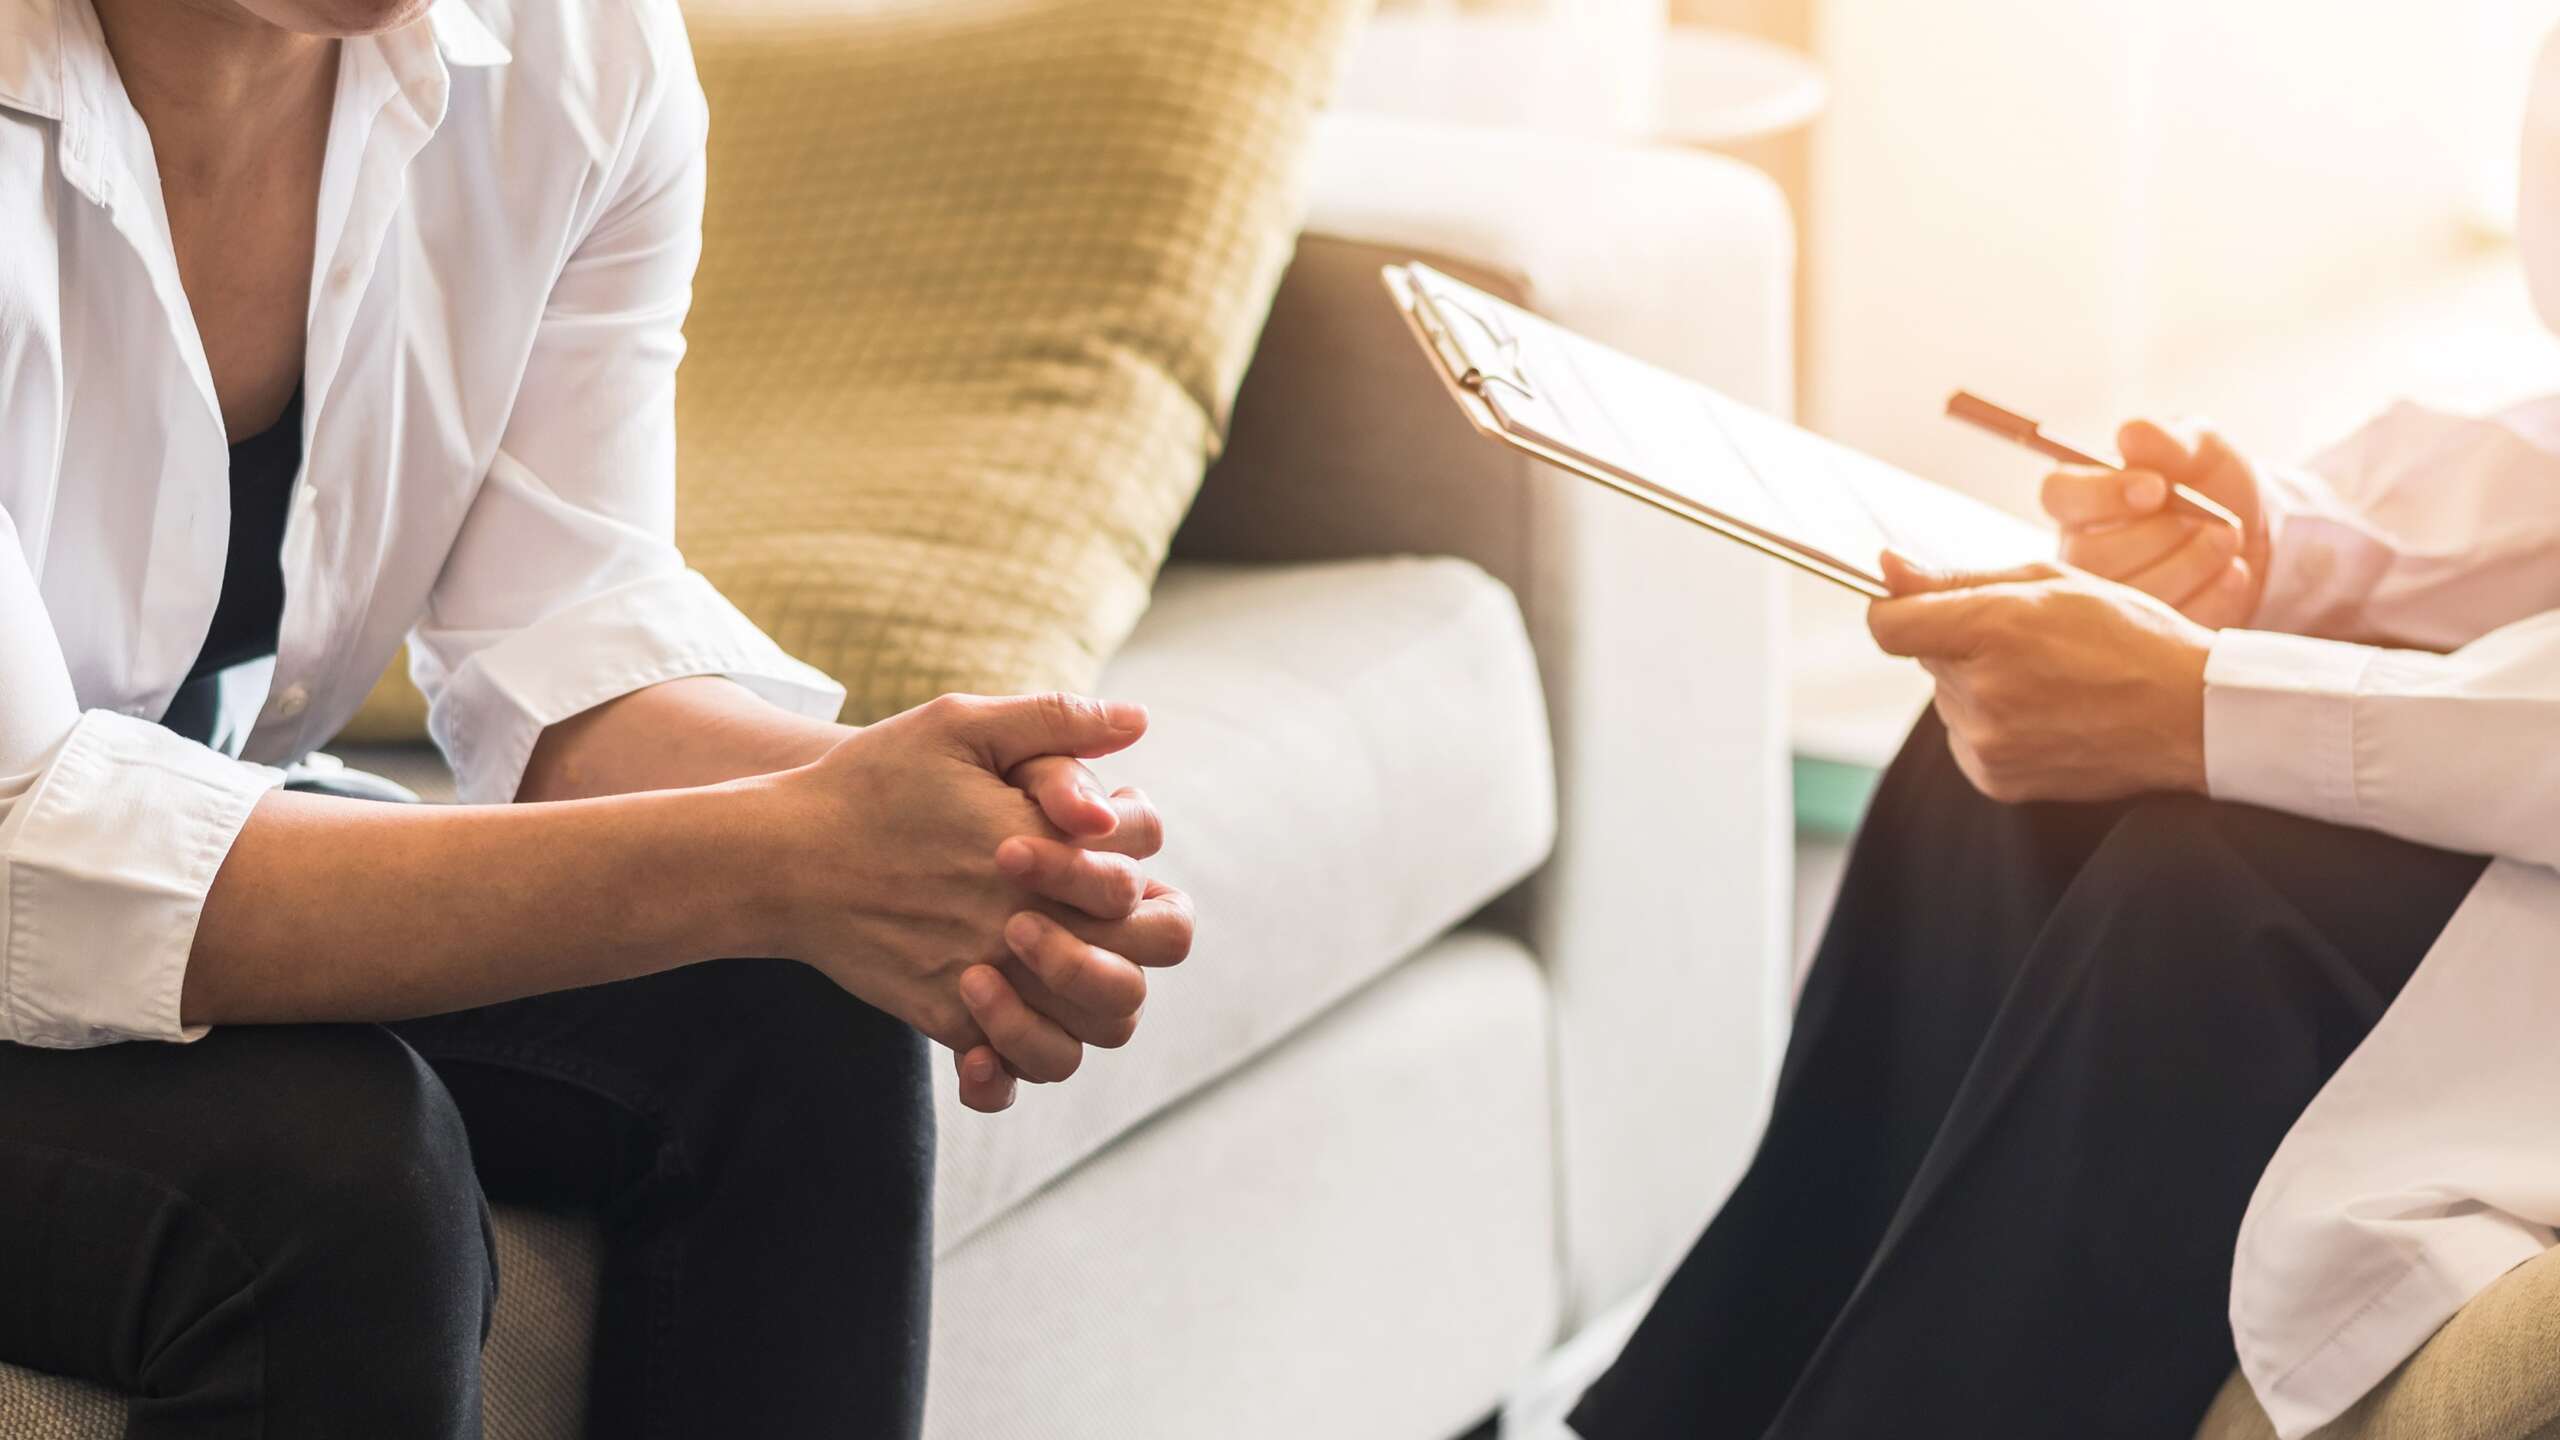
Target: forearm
<point>698,731</point>
<point>344,910</point>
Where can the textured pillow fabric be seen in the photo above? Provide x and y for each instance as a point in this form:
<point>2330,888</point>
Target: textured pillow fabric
<point>980,278</point>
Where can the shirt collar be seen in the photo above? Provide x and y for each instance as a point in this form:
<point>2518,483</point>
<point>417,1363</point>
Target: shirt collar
<point>31,48</point>
<point>34,44</point>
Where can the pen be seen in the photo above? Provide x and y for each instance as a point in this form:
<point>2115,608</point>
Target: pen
<point>2017,429</point>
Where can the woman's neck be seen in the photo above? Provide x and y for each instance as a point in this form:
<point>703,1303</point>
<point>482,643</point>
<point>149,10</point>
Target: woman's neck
<point>215,85</point>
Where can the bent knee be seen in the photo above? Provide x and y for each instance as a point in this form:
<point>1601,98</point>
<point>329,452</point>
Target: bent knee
<point>809,1076</point>
<point>341,1195</point>
<point>2181,849</point>
<point>791,1024</point>
<point>2180,932</point>
<point>344,1138</point>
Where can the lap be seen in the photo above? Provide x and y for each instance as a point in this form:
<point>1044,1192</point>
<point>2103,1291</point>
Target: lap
<point>337,1173</point>
<point>1940,868</point>
<point>2186,878</point>
<point>142,1184</point>
<point>236,1118</point>
<point>573,1098</point>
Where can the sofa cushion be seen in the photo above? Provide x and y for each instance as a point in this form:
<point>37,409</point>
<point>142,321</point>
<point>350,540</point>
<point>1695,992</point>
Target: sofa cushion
<point>1350,758</point>
<point>1351,1238</point>
<point>978,283</point>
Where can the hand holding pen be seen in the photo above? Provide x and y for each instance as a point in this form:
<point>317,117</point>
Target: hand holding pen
<point>2180,517</point>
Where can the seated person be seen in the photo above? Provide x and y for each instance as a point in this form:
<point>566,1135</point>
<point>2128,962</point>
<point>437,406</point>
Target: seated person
<point>322,321</point>
<point>2129,895</point>
<point>2185,819</point>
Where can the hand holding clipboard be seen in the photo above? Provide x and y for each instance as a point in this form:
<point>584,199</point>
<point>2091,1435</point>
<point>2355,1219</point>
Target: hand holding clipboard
<point>2057,684</point>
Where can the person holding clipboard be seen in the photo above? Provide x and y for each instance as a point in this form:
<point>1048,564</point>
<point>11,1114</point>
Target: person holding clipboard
<point>2187,999</point>
<point>2068,1003</point>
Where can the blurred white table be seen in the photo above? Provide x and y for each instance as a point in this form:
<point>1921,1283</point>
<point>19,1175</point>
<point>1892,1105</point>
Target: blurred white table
<point>1707,87</point>
<point>1720,88</point>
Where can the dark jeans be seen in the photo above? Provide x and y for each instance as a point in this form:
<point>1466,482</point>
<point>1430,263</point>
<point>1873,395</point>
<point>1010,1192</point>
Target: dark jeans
<point>281,1231</point>
<point>2042,1057</point>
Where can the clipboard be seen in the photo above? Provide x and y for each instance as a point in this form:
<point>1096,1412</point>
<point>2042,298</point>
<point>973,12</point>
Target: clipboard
<point>1684,449</point>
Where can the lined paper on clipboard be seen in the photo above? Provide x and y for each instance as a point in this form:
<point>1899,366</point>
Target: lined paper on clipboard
<point>1682,447</point>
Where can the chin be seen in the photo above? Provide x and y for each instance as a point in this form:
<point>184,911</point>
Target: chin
<point>337,17</point>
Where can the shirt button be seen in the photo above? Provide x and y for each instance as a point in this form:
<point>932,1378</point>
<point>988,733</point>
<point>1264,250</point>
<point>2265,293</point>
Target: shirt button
<point>291,701</point>
<point>343,278</point>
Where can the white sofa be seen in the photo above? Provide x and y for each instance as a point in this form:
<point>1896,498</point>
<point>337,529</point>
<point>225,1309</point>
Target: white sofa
<point>1478,778</point>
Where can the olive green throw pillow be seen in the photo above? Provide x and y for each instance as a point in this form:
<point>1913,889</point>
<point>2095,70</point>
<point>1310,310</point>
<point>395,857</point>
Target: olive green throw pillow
<point>979,281</point>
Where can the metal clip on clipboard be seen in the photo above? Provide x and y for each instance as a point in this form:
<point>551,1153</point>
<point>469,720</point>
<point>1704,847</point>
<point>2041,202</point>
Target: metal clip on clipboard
<point>1475,371</point>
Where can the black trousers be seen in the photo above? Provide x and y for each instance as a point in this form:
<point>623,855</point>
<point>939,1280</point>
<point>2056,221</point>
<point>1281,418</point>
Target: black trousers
<point>282,1232</point>
<point>2042,1056</point>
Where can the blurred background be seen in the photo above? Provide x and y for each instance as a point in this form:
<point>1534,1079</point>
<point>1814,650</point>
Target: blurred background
<point>2279,214</point>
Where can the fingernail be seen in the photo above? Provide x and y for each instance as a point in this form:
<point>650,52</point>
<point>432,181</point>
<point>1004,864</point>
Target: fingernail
<point>1124,715</point>
<point>978,987</point>
<point>2143,490</point>
<point>1014,856</point>
<point>1091,792</point>
<point>982,1068</point>
<point>1022,931</point>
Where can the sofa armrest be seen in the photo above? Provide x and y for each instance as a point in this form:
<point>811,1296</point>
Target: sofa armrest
<point>1662,917</point>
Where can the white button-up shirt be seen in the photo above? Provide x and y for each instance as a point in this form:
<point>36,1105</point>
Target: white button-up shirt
<point>2430,1163</point>
<point>508,224</point>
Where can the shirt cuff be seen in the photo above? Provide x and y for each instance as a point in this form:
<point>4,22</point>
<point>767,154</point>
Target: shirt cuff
<point>105,862</point>
<point>2315,563</point>
<point>2280,722</point>
<point>490,711</point>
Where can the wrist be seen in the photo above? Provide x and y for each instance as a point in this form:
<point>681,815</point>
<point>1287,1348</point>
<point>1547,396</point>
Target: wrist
<point>739,861</point>
<point>783,742</point>
<point>2183,755</point>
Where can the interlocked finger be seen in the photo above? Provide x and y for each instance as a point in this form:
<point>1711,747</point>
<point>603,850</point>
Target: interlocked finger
<point>1100,884</point>
<point>1140,833</point>
<point>1034,1045</point>
<point>1094,994</point>
<point>1156,934</point>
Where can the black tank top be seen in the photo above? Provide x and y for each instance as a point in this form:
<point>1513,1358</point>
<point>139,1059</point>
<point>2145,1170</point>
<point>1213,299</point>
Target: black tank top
<point>251,607</point>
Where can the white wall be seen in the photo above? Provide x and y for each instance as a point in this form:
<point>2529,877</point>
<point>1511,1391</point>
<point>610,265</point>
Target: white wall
<point>2071,206</point>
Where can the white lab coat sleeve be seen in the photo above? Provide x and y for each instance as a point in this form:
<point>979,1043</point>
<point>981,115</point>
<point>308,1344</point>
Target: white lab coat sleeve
<point>564,588</point>
<point>111,832</point>
<point>2458,751</point>
<point>2421,529</point>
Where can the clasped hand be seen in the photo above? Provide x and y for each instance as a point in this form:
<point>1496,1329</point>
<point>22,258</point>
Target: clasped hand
<point>964,872</point>
<point>2085,680</point>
